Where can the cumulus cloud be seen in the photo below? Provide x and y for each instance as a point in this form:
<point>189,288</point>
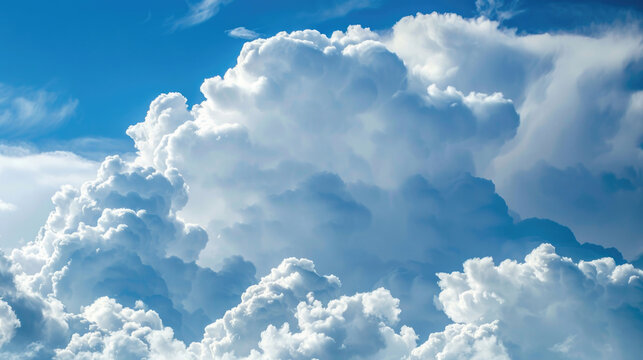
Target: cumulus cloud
<point>574,110</point>
<point>291,313</point>
<point>242,33</point>
<point>554,296</point>
<point>364,152</point>
<point>8,323</point>
<point>119,236</point>
<point>295,313</point>
<point>341,148</point>
<point>117,332</point>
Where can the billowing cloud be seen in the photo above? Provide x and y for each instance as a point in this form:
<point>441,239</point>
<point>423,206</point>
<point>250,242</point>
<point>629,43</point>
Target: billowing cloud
<point>576,111</point>
<point>341,148</point>
<point>29,179</point>
<point>554,296</point>
<point>116,332</point>
<point>119,236</point>
<point>8,323</point>
<point>295,313</point>
<point>364,152</point>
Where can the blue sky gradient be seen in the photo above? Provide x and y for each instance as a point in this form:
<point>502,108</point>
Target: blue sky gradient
<point>88,50</point>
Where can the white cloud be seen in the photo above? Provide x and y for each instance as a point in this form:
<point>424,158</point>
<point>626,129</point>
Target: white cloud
<point>28,111</point>
<point>360,151</point>
<point>575,109</point>
<point>337,148</point>
<point>200,12</point>
<point>498,9</point>
<point>463,341</point>
<point>542,305</point>
<point>8,323</point>
<point>116,332</point>
<point>29,179</point>
<point>339,8</point>
<point>294,313</point>
<point>242,33</point>
<point>6,207</point>
<point>119,235</point>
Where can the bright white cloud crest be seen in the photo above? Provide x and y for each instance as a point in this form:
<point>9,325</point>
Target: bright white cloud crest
<point>281,317</point>
<point>359,151</point>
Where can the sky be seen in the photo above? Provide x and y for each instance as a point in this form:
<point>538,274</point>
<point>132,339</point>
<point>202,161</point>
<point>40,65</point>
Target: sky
<point>355,179</point>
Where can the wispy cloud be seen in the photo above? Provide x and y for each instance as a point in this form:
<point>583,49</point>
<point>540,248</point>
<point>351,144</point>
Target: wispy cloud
<point>342,8</point>
<point>498,9</point>
<point>199,12</point>
<point>242,33</point>
<point>24,111</point>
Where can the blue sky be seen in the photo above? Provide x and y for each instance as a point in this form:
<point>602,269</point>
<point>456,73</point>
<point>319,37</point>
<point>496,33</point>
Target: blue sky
<point>341,179</point>
<point>87,50</point>
<point>114,57</point>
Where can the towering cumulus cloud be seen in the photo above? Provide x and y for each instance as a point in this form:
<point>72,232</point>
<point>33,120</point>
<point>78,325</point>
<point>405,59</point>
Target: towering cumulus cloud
<point>361,155</point>
<point>119,236</point>
<point>576,157</point>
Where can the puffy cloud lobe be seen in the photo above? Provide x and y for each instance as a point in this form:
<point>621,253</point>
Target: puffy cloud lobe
<point>549,78</point>
<point>295,313</point>
<point>119,236</point>
<point>291,313</point>
<point>116,332</point>
<point>338,104</point>
<point>30,326</point>
<point>8,322</point>
<point>28,181</point>
<point>463,341</point>
<point>554,296</point>
<point>253,151</point>
<point>271,301</point>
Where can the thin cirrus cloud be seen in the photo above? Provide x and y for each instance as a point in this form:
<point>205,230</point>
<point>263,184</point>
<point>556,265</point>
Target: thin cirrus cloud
<point>199,12</point>
<point>335,9</point>
<point>304,208</point>
<point>498,9</point>
<point>26,111</point>
<point>204,10</point>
